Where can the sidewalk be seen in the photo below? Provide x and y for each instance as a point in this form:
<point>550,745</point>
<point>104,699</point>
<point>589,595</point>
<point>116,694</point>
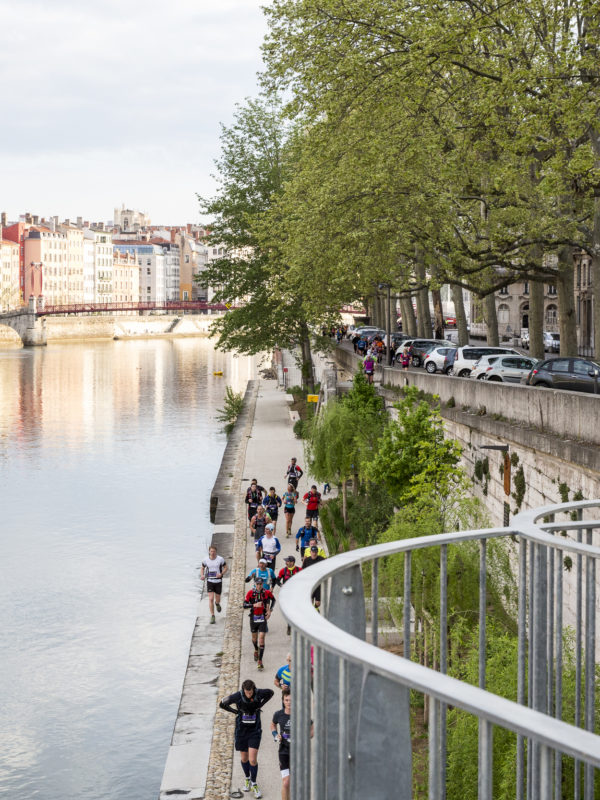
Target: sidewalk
<point>269,450</point>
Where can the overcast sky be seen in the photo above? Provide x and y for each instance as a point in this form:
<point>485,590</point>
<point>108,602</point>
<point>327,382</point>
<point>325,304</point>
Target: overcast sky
<point>108,102</point>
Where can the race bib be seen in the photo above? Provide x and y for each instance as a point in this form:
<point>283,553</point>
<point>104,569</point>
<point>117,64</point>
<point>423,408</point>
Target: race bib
<point>286,736</point>
<point>259,618</point>
<point>248,719</point>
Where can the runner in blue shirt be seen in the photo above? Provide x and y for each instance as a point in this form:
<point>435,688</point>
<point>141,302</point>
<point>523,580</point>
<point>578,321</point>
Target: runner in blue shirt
<point>305,534</point>
<point>263,572</point>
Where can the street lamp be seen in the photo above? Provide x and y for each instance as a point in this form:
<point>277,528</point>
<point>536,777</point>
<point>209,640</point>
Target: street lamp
<point>503,448</point>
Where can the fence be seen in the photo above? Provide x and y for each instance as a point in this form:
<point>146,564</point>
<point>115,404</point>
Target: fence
<point>362,744</point>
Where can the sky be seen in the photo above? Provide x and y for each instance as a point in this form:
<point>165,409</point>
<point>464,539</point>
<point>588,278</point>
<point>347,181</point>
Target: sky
<point>107,102</point>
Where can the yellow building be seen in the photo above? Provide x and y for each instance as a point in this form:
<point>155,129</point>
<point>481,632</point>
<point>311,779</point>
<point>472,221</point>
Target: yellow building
<point>9,275</point>
<point>126,278</point>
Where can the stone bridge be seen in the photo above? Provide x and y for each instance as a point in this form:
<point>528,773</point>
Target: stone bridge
<point>27,324</point>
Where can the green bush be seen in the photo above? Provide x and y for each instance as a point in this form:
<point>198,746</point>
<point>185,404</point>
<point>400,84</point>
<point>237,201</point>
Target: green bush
<point>234,403</point>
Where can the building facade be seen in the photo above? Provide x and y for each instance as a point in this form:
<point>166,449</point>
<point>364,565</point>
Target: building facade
<point>126,277</point>
<point>10,289</point>
<point>151,261</point>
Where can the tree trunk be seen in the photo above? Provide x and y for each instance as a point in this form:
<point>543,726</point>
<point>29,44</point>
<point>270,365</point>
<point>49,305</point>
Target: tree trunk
<point>423,315</point>
<point>566,303</point>
<point>491,320</point>
<point>409,325</point>
<point>355,484</point>
<point>344,502</point>
<point>459,312</point>
<point>438,312</point>
<point>536,319</point>
<point>596,279</point>
<point>308,378</point>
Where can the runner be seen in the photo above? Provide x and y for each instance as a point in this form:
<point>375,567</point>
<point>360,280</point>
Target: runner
<point>289,499</point>
<point>268,546</point>
<point>246,705</point>
<point>314,542</point>
<point>254,497</point>
<point>213,568</point>
<point>314,558</point>
<point>369,367</point>
<point>285,574</point>
<point>258,523</point>
<point>261,602</point>
<point>262,571</point>
<point>282,720</point>
<point>307,532</point>
<point>283,676</point>
<point>272,504</point>
<point>313,501</point>
<point>293,473</point>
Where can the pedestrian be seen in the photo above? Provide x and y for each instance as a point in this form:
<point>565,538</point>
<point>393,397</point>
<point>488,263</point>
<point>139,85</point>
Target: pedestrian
<point>289,500</point>
<point>246,705</point>
<point>254,496</point>
<point>268,546</point>
<point>293,473</point>
<point>405,359</point>
<point>312,559</point>
<point>264,572</point>
<point>283,676</point>
<point>305,534</point>
<point>213,568</point>
<point>369,367</point>
<point>259,522</point>
<point>326,488</point>
<point>272,503</point>
<point>313,502</point>
<point>285,574</point>
<point>261,602</point>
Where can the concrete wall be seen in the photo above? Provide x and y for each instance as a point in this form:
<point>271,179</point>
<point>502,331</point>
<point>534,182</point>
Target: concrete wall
<point>571,415</point>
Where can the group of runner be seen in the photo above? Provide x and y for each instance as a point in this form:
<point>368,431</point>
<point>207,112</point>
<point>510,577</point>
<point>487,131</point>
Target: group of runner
<point>263,507</point>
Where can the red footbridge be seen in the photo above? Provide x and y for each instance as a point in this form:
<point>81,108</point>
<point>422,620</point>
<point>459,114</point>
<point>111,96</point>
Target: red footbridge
<point>198,306</point>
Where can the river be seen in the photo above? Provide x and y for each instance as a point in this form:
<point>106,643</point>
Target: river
<point>108,453</point>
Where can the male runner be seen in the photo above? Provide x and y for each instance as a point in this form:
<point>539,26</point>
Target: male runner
<point>254,497</point>
<point>213,568</point>
<point>320,550</point>
<point>261,602</point>
<point>264,572</point>
<point>293,473</point>
<point>282,720</point>
<point>283,676</point>
<point>268,546</point>
<point>313,502</point>
<point>285,574</point>
<point>272,503</point>
<point>305,534</point>
<point>289,499</point>
<point>314,558</point>
<point>246,705</point>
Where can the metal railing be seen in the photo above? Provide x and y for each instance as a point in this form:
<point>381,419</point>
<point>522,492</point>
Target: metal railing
<point>363,745</point>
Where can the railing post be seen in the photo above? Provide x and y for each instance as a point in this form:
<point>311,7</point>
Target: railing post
<point>558,674</point>
<point>319,784</point>
<point>485,776</point>
<point>375,602</point>
<point>578,654</point>
<point>521,658</point>
<point>407,602</point>
<point>434,749</point>
<point>590,659</point>
<point>443,661</point>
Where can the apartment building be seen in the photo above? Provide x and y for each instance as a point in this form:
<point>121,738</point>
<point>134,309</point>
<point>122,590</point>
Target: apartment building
<point>151,261</point>
<point>172,258</point>
<point>99,263</point>
<point>73,261</point>
<point>10,293</point>
<point>126,277</point>
<point>46,268</point>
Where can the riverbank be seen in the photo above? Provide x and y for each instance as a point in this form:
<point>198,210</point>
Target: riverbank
<point>114,326</point>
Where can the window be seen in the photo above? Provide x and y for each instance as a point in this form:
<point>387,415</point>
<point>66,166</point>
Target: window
<point>551,316</point>
<point>552,288</point>
<point>504,290</point>
<point>512,363</point>
<point>558,365</point>
<point>503,314</point>
<point>148,271</point>
<point>525,287</point>
<point>582,367</point>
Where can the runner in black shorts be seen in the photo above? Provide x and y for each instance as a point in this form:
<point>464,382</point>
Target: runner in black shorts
<point>246,705</point>
<point>213,568</point>
<point>313,502</point>
<point>254,497</point>
<point>293,473</point>
<point>282,720</point>
<point>260,602</point>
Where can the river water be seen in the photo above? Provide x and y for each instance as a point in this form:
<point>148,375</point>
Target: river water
<point>108,453</point>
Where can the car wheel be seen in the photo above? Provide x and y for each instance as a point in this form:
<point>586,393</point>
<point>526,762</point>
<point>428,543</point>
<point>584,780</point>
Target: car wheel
<point>481,377</point>
<point>494,380</point>
<point>542,385</point>
<point>430,367</point>
<point>416,361</point>
<point>464,373</point>
<point>450,371</point>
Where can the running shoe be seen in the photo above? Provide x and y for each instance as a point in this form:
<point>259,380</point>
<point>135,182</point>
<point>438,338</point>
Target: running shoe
<point>218,605</point>
<point>247,785</point>
<point>256,655</point>
<point>212,620</point>
<point>256,791</point>
<point>260,665</point>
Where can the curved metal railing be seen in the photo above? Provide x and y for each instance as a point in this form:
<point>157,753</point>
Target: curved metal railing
<point>362,743</point>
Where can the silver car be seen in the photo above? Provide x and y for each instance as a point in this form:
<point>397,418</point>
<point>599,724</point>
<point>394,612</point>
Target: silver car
<point>509,369</point>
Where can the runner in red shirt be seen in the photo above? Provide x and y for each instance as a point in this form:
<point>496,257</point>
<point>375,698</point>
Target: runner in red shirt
<point>286,573</point>
<point>313,502</point>
<point>260,602</point>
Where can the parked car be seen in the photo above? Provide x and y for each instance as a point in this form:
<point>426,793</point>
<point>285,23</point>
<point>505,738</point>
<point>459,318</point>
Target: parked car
<point>363,331</point>
<point>465,356</point>
<point>436,358</point>
<point>551,340</point>
<point>509,369</point>
<point>479,367</point>
<point>418,348</point>
<point>576,374</point>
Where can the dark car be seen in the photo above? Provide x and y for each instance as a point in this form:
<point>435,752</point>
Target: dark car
<point>418,348</point>
<point>576,374</point>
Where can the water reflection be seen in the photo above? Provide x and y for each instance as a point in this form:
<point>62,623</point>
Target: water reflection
<point>108,453</point>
